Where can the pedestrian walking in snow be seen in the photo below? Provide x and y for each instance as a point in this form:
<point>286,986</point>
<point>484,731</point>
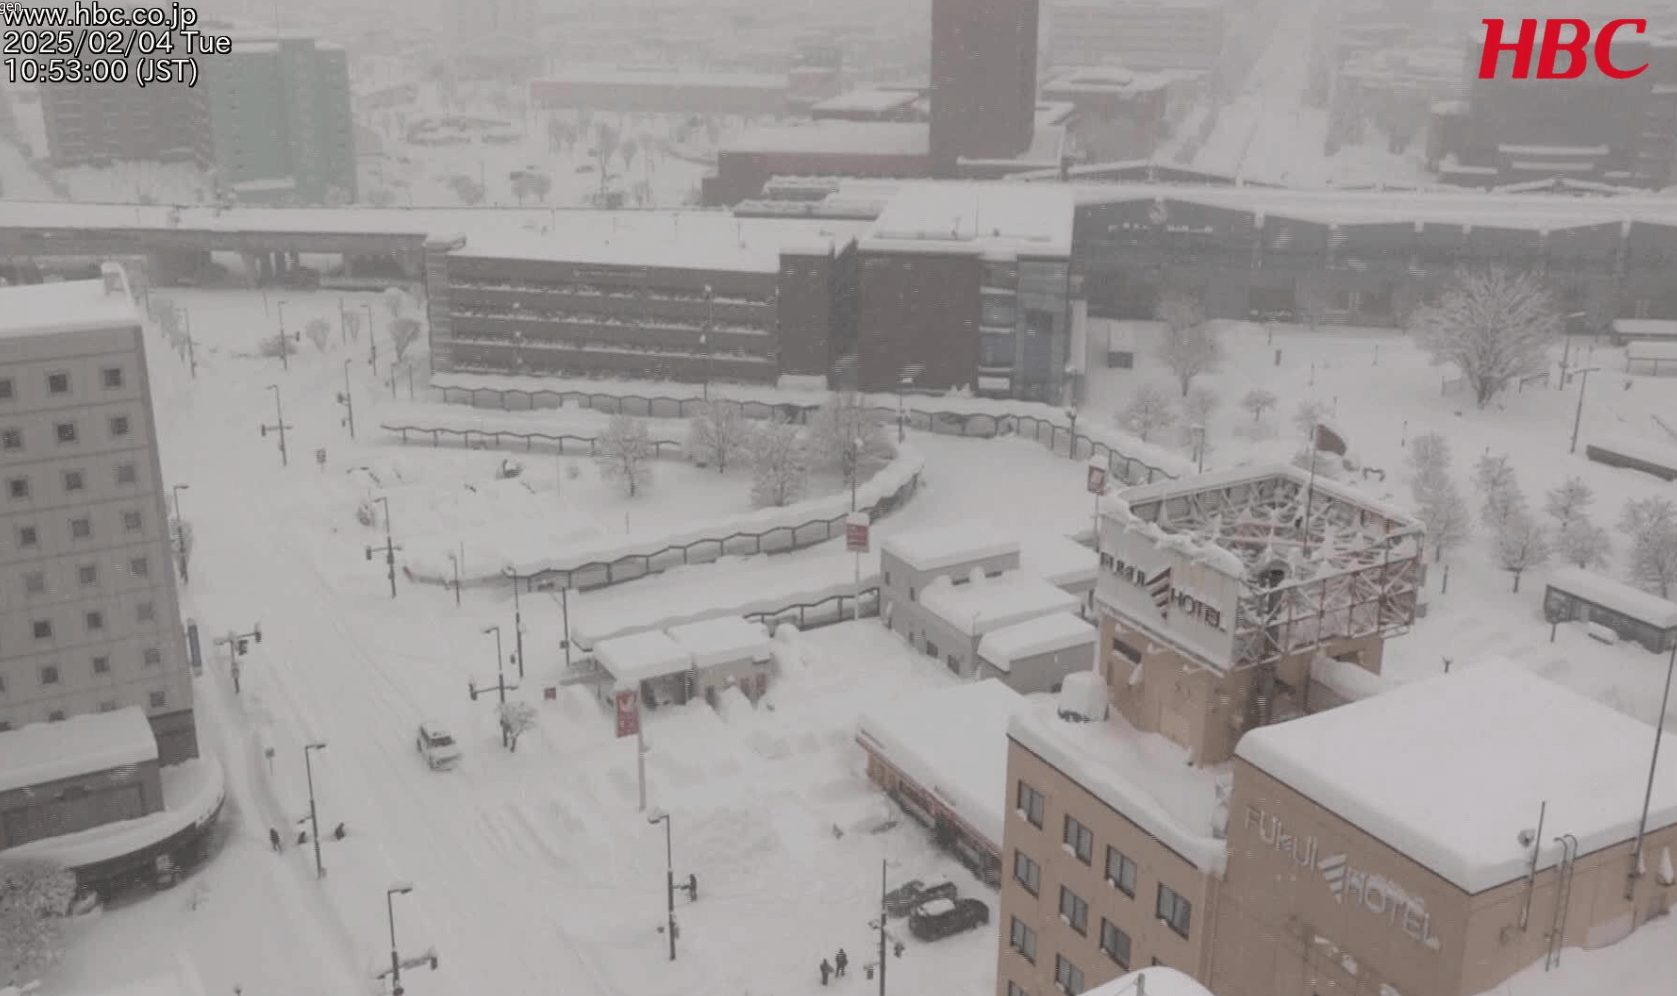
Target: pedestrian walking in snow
<point>840,962</point>
<point>826,971</point>
<point>274,840</point>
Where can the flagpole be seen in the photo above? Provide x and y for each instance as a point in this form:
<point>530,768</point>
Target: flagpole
<point>1310,486</point>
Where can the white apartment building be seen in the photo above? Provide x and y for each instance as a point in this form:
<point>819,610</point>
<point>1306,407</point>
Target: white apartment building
<point>1140,34</point>
<point>89,620</point>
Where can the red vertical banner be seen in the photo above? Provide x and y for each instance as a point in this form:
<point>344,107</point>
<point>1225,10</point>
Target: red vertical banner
<point>1097,479</point>
<point>856,532</point>
<point>628,713</point>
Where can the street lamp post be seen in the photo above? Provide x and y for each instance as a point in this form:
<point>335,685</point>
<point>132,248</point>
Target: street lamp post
<point>372,340</point>
<point>390,546</point>
<point>180,530</point>
<point>1071,417</point>
<point>454,558</point>
<point>517,624</point>
<point>314,819</point>
<point>279,426</point>
<point>284,351</point>
<point>176,490</point>
<point>191,353</point>
<point>390,895</point>
<point>348,401</point>
<point>1653,767</point>
<point>655,818</point>
<point>501,686</point>
<point>1578,416</point>
<point>910,374</point>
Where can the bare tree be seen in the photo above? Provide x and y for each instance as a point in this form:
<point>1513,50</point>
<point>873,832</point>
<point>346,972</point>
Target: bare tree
<point>1429,460</point>
<point>1200,403</point>
<point>1258,401</point>
<point>395,301</point>
<point>1499,491</point>
<point>540,184</point>
<point>1495,325</point>
<point>1151,409</point>
<point>516,718</point>
<point>718,434</point>
<point>624,454</point>
<point>35,896</point>
<point>1189,347</point>
<point>1444,514</point>
<point>1584,543</point>
<point>469,191</point>
<point>1571,499</point>
<point>779,467</point>
<point>404,332</point>
<point>351,320</point>
<point>1651,524</point>
<point>319,331</point>
<point>1521,544</point>
<point>1309,416</point>
<point>844,438</point>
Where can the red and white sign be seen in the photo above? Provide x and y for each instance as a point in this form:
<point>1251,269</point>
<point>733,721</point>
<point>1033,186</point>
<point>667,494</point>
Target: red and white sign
<point>856,532</point>
<point>1560,36</point>
<point>628,713</point>
<point>1097,479</point>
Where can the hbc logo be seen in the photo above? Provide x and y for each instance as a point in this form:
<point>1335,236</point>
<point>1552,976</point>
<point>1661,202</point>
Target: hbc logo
<point>1561,35</point>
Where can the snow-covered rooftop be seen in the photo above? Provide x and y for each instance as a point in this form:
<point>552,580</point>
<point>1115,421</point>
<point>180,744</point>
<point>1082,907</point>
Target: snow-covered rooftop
<point>876,101</point>
<point>1637,448</point>
<point>66,306</point>
<point>724,640</point>
<point>1030,219</point>
<point>1498,742</point>
<point>851,138</point>
<point>81,745</point>
<point>939,547</point>
<point>953,743</point>
<point>641,657</point>
<point>1143,776</point>
<point>701,240</point>
<point>1043,635</point>
<point>183,981</point>
<point>984,604</point>
<point>1059,560</point>
<point>1155,981</point>
<point>1608,593</point>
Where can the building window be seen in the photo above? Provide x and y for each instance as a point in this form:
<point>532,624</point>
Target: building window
<point>42,628</point>
<point>1067,976</point>
<point>1120,871</point>
<point>1030,804</point>
<point>139,567</point>
<point>58,383</point>
<point>145,612</point>
<point>6,390</point>
<point>111,377</point>
<point>87,574</point>
<point>35,583</point>
<point>27,536</point>
<point>1026,872</point>
<point>49,674</point>
<point>81,528</point>
<point>1023,940</point>
<point>1115,943</point>
<point>56,716</point>
<point>1126,651</point>
<point>66,432</point>
<point>11,439</point>
<point>1074,911</point>
<point>95,620</point>
<point>74,481</point>
<point>154,657</point>
<point>1174,909</point>
<point>125,474</point>
<point>18,487</point>
<point>131,522</point>
<point>158,700</point>
<point>101,665</point>
<point>1079,840</point>
<point>119,426</point>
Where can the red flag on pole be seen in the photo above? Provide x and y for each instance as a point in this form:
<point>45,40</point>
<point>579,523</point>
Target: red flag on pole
<point>628,713</point>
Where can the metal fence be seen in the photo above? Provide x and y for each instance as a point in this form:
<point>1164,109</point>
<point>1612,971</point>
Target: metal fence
<point>826,612</point>
<point>487,438</point>
<point>1128,469</point>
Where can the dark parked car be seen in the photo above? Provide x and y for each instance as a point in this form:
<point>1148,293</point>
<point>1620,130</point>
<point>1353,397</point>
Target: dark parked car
<point>902,899</point>
<point>938,918</point>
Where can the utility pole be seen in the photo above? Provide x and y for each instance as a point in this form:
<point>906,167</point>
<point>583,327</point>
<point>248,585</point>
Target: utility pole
<point>390,546</point>
<point>372,340</point>
<point>191,354</point>
<point>517,624</point>
<point>348,401</point>
<point>884,935</point>
<point>284,347</point>
<point>238,644</point>
<point>279,426</point>
<point>1578,416</point>
<point>501,686</point>
<point>314,820</point>
<point>564,617</point>
<point>655,818</point>
<point>180,531</point>
<point>1653,766</point>
<point>455,559</point>
<point>390,895</point>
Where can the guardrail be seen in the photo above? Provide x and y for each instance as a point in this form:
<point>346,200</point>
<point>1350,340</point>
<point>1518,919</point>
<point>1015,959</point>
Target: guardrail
<point>493,438</point>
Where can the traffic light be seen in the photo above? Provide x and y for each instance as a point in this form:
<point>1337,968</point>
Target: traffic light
<point>471,686</point>
<point>244,646</point>
<point>398,991</point>
<point>433,963</point>
<point>256,631</point>
<point>898,950</point>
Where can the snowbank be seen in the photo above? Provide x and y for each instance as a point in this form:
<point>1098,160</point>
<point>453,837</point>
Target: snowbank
<point>192,794</point>
<point>83,745</point>
<point>552,423</point>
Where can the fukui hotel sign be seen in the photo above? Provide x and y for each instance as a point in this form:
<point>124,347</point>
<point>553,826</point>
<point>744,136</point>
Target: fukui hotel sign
<point>1372,895</point>
<point>1166,589</point>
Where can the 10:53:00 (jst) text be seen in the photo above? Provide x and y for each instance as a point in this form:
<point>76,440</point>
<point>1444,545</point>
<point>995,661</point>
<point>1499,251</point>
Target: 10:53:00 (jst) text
<point>107,69</point>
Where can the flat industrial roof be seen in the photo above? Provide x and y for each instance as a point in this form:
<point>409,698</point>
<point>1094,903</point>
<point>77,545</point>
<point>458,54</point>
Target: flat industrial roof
<point>81,745</point>
<point>65,306</point>
<point>1029,219</point>
<point>1478,752</point>
<point>641,657</point>
<point>857,138</point>
<point>980,606</point>
<point>935,548</point>
<point>699,240</point>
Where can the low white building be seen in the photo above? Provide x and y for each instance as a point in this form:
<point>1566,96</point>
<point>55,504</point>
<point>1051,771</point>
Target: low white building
<point>727,652</point>
<point>649,662</point>
<point>955,616</point>
<point>1036,655</point>
<point>1064,563</point>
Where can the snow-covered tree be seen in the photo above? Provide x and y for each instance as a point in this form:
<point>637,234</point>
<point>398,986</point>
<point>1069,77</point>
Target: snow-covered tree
<point>35,896</point>
<point>718,435</point>
<point>1190,346</point>
<point>1200,403</point>
<point>395,301</point>
<point>1521,543</point>
<point>1571,499</point>
<point>1429,461</point>
<point>1151,409</point>
<point>1651,524</point>
<point>319,331</point>
<point>624,453</point>
<point>404,332</point>
<point>1495,325</point>
<point>1444,514</point>
<point>1499,491</point>
<point>845,437</point>
<point>1258,401</point>
<point>516,718</point>
<point>779,468</point>
<point>1308,416</point>
<point>1582,542</point>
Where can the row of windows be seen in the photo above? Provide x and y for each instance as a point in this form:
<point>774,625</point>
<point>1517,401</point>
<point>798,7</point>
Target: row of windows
<point>117,426</point>
<point>29,537</point>
<point>75,481</point>
<point>93,619</point>
<point>155,700</point>
<point>59,383</point>
<point>1068,978</point>
<point>1171,907</point>
<point>51,675</point>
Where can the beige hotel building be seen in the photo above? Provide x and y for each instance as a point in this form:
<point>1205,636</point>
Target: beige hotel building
<point>1241,809</point>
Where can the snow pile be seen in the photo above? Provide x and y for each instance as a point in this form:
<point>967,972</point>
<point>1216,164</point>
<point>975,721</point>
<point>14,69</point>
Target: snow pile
<point>81,745</point>
<point>642,657</point>
<point>1349,681</point>
<point>1499,742</point>
<point>192,795</point>
<point>940,547</point>
<point>575,423</point>
<point>1044,635</point>
<point>1141,775</point>
<point>723,640</point>
<point>1083,697</point>
<point>985,604</point>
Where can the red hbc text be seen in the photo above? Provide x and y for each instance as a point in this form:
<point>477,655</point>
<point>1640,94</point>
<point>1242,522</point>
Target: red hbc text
<point>1559,36</point>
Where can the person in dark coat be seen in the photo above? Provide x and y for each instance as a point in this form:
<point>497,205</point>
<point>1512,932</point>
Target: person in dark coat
<point>840,962</point>
<point>274,840</point>
<point>826,971</point>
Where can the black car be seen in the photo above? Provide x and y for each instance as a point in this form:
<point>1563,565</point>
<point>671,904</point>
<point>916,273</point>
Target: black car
<point>939,918</point>
<point>902,899</point>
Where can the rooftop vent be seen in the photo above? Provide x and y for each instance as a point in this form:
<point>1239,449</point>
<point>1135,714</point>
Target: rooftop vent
<point>116,282</point>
